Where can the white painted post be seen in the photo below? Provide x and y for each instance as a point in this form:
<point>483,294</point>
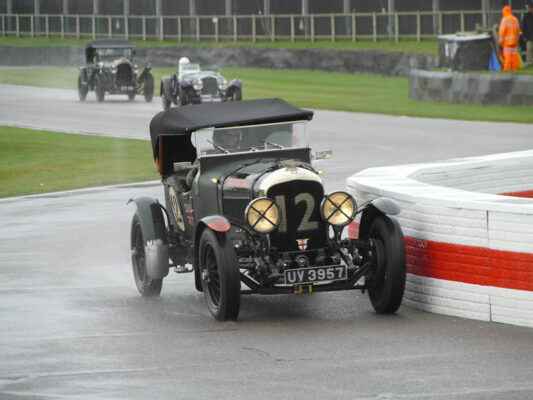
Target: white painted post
<point>396,27</point>
<point>144,27</point>
<point>161,29</point>
<point>235,32</point>
<point>18,25</point>
<point>354,35</point>
<point>216,20</point>
<point>332,19</point>
<point>62,21</point>
<point>462,21</point>
<point>197,28</point>
<point>109,27</point>
<point>179,28</point>
<point>418,27</point>
<point>292,27</point>
<point>66,13</point>
<point>37,12</point>
<point>273,28</point>
<point>374,27</point>
<point>9,11</point>
<point>254,34</point>
<point>3,25</point>
<point>126,19</point>
<point>312,27</point>
<point>77,26</point>
<point>94,26</point>
<point>391,28</point>
<point>31,28</point>
<point>436,20</point>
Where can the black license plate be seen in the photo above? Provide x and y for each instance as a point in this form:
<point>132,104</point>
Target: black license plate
<point>316,274</point>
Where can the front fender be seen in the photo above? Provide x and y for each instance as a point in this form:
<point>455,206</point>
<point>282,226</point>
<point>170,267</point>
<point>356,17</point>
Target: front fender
<point>83,75</point>
<point>382,205</point>
<point>153,226</point>
<point>236,83</point>
<point>166,88</point>
<point>145,72</point>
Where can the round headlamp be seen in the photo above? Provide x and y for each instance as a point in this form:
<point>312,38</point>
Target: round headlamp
<point>197,84</point>
<point>223,84</point>
<point>263,215</point>
<point>338,208</point>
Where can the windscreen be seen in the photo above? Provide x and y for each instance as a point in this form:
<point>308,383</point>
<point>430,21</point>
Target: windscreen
<point>252,138</point>
<point>107,54</point>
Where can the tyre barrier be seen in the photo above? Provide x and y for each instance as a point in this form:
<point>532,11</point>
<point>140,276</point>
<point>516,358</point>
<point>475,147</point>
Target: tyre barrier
<point>468,227</point>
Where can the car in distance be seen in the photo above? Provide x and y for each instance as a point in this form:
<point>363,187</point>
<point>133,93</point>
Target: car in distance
<point>192,85</point>
<point>110,69</point>
<point>255,212</point>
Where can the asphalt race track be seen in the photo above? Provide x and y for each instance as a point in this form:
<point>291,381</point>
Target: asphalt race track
<point>73,326</point>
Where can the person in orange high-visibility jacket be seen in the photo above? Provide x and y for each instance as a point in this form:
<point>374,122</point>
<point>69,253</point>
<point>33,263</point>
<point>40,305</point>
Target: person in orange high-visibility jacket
<point>509,34</point>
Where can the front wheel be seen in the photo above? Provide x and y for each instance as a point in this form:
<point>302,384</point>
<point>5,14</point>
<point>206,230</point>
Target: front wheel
<point>82,89</point>
<point>149,88</point>
<point>237,94</point>
<point>99,88</point>
<point>387,282</point>
<point>220,275</point>
<point>147,287</point>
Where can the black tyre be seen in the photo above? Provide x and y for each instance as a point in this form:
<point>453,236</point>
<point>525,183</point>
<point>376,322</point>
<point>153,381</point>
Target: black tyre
<point>387,282</point>
<point>184,99</point>
<point>99,89</point>
<point>149,88</point>
<point>220,276</point>
<point>131,96</point>
<point>237,94</point>
<point>83,89</point>
<point>146,286</point>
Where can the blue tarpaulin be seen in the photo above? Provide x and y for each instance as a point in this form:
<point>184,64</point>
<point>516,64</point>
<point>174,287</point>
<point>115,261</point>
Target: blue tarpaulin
<point>494,64</point>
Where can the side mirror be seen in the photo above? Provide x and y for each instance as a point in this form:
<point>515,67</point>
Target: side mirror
<point>182,166</point>
<point>323,155</point>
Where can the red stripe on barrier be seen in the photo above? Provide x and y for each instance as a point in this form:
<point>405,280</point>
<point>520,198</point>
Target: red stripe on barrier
<point>527,194</point>
<point>467,264</point>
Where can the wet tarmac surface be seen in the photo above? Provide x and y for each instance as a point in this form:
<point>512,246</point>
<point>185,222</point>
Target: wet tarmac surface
<point>73,326</point>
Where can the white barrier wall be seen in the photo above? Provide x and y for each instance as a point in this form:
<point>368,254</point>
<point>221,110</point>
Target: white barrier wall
<point>469,248</point>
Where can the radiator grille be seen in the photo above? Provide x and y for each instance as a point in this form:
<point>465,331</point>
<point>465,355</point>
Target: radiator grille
<point>234,207</point>
<point>124,74</point>
<point>210,85</point>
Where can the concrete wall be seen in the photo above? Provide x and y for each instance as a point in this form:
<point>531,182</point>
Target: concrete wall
<point>369,61</point>
<point>469,254</point>
<point>456,87</point>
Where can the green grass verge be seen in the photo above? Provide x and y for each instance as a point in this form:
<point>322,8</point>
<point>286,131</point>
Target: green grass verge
<point>428,46</point>
<point>34,162</point>
<point>313,89</point>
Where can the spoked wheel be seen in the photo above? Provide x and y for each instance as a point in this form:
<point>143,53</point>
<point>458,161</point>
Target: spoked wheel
<point>165,101</point>
<point>146,286</point>
<point>99,89</point>
<point>82,89</point>
<point>220,276</point>
<point>149,88</point>
<point>387,283</point>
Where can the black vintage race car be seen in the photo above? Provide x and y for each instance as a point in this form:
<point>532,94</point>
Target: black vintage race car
<point>255,218</point>
<point>110,69</point>
<point>192,85</point>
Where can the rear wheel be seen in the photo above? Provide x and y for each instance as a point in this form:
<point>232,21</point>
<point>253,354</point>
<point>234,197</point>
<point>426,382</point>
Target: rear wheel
<point>99,88</point>
<point>220,276</point>
<point>237,94</point>
<point>147,287</point>
<point>149,88</point>
<point>82,89</point>
<point>387,282</point>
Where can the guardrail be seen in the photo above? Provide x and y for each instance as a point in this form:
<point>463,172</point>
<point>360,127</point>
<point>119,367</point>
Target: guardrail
<point>468,227</point>
<point>354,26</point>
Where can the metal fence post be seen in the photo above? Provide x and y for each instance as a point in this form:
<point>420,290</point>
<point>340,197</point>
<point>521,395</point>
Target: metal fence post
<point>62,22</point>
<point>216,28</point>
<point>312,27</point>
<point>254,34</point>
<point>235,31</point>
<point>94,26</point>
<point>418,27</point>
<point>197,28</point>
<point>462,21</point>
<point>440,23</point>
<point>126,27</point>
<point>273,28</point>
<point>109,27</point>
<point>31,28</point>
<point>374,27</point>
<point>161,29</point>
<point>332,19</point>
<point>77,26</point>
<point>484,18</point>
<point>396,27</point>
<point>292,27</point>
<point>17,25</point>
<point>354,35</point>
<point>179,28</point>
<point>144,27</point>
<point>47,25</point>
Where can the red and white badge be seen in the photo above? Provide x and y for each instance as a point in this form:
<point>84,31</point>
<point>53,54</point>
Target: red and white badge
<point>302,243</point>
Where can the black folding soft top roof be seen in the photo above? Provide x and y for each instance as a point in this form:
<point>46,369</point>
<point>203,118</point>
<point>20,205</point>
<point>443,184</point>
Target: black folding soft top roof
<point>109,43</point>
<point>186,119</point>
